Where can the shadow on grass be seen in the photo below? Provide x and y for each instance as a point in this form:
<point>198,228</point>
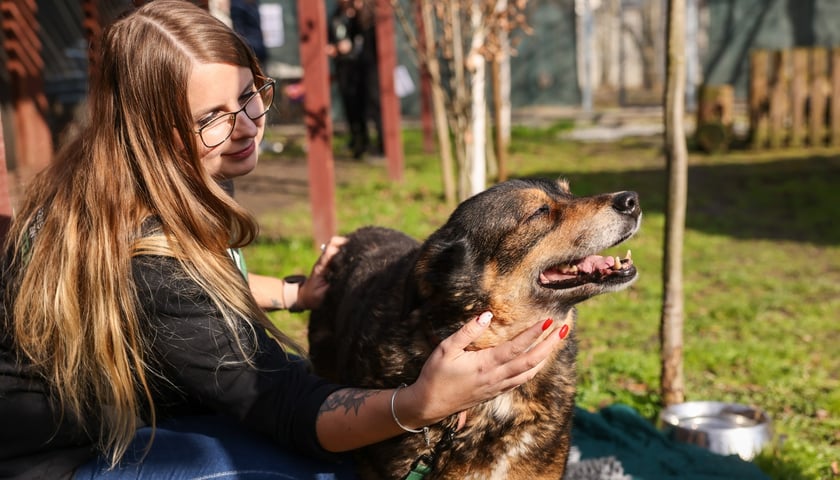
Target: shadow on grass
<point>786,199</point>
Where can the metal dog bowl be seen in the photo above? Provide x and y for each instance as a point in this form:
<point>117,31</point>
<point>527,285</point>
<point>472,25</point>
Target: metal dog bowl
<point>724,428</point>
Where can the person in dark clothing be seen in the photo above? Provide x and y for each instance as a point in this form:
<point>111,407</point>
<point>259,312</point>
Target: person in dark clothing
<point>133,343</point>
<point>352,46</point>
<point>245,20</point>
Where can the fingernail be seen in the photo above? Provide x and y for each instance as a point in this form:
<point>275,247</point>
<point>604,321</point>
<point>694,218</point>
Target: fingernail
<point>547,324</point>
<point>484,319</point>
<point>564,330</point>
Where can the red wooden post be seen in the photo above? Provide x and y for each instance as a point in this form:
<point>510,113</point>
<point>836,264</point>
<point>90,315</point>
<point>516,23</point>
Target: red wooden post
<point>5,200</point>
<point>386,46</point>
<point>426,120</point>
<point>316,109</point>
<point>26,68</point>
<point>92,27</point>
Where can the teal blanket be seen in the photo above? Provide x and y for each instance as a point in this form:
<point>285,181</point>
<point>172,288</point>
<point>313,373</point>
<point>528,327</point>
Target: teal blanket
<point>645,453</point>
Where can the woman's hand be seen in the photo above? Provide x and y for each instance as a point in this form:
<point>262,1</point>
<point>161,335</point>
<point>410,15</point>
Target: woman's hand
<point>454,379</point>
<point>313,290</point>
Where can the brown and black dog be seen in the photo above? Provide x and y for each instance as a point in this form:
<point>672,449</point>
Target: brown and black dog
<point>525,250</point>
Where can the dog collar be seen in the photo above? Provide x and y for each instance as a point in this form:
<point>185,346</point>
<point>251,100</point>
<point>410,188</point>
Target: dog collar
<point>425,463</point>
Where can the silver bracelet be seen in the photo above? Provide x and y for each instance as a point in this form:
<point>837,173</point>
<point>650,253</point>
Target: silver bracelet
<point>423,430</point>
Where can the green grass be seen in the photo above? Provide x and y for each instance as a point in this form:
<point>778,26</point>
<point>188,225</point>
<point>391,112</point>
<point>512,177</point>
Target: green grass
<point>761,273</point>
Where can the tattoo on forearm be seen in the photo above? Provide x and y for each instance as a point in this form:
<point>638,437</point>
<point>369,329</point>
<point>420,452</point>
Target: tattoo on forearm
<point>276,304</point>
<point>348,399</point>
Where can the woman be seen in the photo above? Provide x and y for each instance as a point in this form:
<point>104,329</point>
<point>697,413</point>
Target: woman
<point>132,346</point>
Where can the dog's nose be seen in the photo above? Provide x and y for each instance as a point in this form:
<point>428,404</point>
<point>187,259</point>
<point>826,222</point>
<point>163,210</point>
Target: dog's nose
<point>627,203</point>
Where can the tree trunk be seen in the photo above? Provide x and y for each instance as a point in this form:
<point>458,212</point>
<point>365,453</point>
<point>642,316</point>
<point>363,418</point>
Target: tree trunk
<point>500,74</point>
<point>587,27</point>
<point>460,103</point>
<point>671,327</point>
<point>447,164</point>
<point>498,121</point>
<point>478,107</point>
<point>425,90</point>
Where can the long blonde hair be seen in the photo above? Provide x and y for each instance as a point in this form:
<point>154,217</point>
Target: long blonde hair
<point>74,303</point>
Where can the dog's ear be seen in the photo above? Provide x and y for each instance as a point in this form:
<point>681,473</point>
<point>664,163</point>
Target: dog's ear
<point>563,183</point>
<point>443,266</point>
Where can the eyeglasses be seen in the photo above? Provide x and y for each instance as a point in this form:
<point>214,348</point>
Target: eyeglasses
<point>219,129</point>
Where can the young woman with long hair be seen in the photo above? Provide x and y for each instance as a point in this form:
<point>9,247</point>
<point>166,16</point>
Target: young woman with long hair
<point>131,344</point>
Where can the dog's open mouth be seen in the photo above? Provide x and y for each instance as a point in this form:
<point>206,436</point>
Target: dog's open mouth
<point>591,269</point>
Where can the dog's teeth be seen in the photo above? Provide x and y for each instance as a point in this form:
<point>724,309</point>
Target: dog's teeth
<point>627,257</point>
<point>617,265</point>
<point>573,269</point>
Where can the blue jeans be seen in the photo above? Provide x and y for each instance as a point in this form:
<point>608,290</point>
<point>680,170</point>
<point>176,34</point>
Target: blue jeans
<point>210,447</point>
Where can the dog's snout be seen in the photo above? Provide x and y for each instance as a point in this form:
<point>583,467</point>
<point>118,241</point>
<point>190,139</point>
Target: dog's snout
<point>627,203</point>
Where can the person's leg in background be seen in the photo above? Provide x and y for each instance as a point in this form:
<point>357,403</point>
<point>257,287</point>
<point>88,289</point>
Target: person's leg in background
<point>374,107</point>
<point>351,90</point>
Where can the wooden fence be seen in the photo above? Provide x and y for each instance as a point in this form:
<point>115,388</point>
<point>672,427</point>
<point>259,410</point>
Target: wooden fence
<point>794,97</point>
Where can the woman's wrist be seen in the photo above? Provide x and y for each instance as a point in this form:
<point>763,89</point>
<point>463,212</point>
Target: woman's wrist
<point>394,412</point>
<point>291,293</point>
<point>407,411</point>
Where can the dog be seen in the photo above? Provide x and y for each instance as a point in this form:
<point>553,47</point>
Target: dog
<point>524,249</point>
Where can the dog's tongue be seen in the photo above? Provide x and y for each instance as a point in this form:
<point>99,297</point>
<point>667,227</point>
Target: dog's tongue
<point>595,262</point>
<point>586,265</point>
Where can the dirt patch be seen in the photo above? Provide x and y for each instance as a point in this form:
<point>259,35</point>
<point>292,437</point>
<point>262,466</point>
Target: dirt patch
<point>280,183</point>
<point>275,183</point>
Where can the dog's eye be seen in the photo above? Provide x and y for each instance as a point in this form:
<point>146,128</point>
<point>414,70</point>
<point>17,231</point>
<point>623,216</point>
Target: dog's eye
<point>540,212</point>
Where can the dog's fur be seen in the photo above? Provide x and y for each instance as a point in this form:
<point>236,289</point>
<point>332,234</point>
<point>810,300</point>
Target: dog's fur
<point>391,300</point>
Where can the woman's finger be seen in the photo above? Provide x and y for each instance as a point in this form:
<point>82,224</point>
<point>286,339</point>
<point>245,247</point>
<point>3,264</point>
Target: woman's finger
<point>467,334</point>
<point>328,250</point>
<point>521,343</point>
<point>525,357</point>
<point>336,242</point>
<point>331,248</point>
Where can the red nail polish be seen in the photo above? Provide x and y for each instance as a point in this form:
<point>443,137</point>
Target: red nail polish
<point>547,324</point>
<point>564,330</point>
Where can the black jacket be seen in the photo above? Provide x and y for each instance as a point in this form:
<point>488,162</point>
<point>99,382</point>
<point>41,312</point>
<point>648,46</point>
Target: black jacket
<point>203,371</point>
